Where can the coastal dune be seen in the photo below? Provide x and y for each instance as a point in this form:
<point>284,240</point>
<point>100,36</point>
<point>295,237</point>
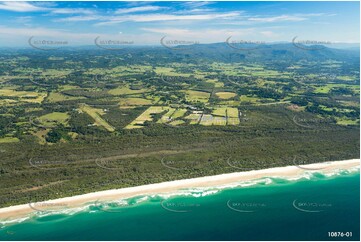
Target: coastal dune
<point>287,172</point>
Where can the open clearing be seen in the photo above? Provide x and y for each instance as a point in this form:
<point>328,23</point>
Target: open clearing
<point>96,114</point>
<point>145,116</point>
<point>58,97</point>
<point>9,140</point>
<point>194,118</point>
<point>134,101</point>
<point>221,111</point>
<point>232,112</point>
<point>208,119</point>
<point>24,96</point>
<point>225,95</point>
<point>179,113</point>
<point>52,119</point>
<point>195,96</point>
<point>167,117</point>
<point>126,91</point>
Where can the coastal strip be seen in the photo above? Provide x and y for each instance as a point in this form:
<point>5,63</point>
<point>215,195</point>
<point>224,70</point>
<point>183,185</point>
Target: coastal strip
<point>286,172</point>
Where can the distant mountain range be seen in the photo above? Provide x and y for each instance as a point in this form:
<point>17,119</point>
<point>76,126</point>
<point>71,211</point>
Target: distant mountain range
<point>224,52</point>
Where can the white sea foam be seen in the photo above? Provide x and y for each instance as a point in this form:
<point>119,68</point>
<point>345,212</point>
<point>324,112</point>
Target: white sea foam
<point>190,187</point>
<point>4,223</point>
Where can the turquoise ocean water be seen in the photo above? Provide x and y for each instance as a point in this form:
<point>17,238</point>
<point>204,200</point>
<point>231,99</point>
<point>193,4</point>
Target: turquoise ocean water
<point>270,209</point>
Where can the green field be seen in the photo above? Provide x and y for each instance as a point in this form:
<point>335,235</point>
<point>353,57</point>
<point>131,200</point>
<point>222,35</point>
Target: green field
<point>197,96</point>
<point>225,95</point>
<point>52,119</point>
<point>96,114</point>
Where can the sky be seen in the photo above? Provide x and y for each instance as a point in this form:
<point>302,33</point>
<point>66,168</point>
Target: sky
<point>80,23</point>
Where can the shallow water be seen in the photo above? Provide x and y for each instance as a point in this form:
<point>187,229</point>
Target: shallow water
<point>270,209</point>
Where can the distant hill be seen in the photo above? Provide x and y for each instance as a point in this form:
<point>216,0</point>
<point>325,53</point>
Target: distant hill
<point>278,52</point>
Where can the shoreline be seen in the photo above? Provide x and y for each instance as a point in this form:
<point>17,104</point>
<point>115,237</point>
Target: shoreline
<point>19,211</point>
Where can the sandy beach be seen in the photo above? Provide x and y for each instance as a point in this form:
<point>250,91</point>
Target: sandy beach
<point>19,211</point>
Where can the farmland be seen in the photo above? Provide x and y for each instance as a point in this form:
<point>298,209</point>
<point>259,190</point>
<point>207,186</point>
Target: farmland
<point>134,109</point>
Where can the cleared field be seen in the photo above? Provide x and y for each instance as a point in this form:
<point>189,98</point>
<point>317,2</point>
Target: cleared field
<point>225,95</point>
<point>226,111</point>
<point>145,116</point>
<point>167,117</point>
<point>134,101</point>
<point>346,122</point>
<point>194,118</point>
<point>328,87</point>
<point>169,71</point>
<point>220,111</point>
<point>23,96</point>
<point>96,114</point>
<point>7,102</point>
<point>179,113</point>
<point>232,121</point>
<point>177,122</point>
<point>192,95</point>
<point>58,97</point>
<point>125,91</point>
<point>232,113</point>
<point>9,140</point>
<point>248,99</point>
<point>33,109</point>
<point>40,135</point>
<point>208,119</point>
<point>54,118</point>
<point>216,82</point>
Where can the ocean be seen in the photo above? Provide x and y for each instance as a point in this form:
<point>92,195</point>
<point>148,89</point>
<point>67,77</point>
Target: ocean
<point>314,207</point>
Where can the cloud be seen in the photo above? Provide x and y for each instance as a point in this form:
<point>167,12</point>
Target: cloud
<point>80,18</point>
<point>295,17</point>
<point>72,11</point>
<point>20,7</point>
<point>139,9</point>
<point>205,35</point>
<point>269,34</point>
<point>44,32</point>
<point>23,19</point>
<point>27,7</point>
<point>196,4</point>
<point>163,17</point>
<point>277,18</point>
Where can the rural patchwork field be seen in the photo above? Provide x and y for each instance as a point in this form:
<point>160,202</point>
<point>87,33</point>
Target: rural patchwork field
<point>138,110</point>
